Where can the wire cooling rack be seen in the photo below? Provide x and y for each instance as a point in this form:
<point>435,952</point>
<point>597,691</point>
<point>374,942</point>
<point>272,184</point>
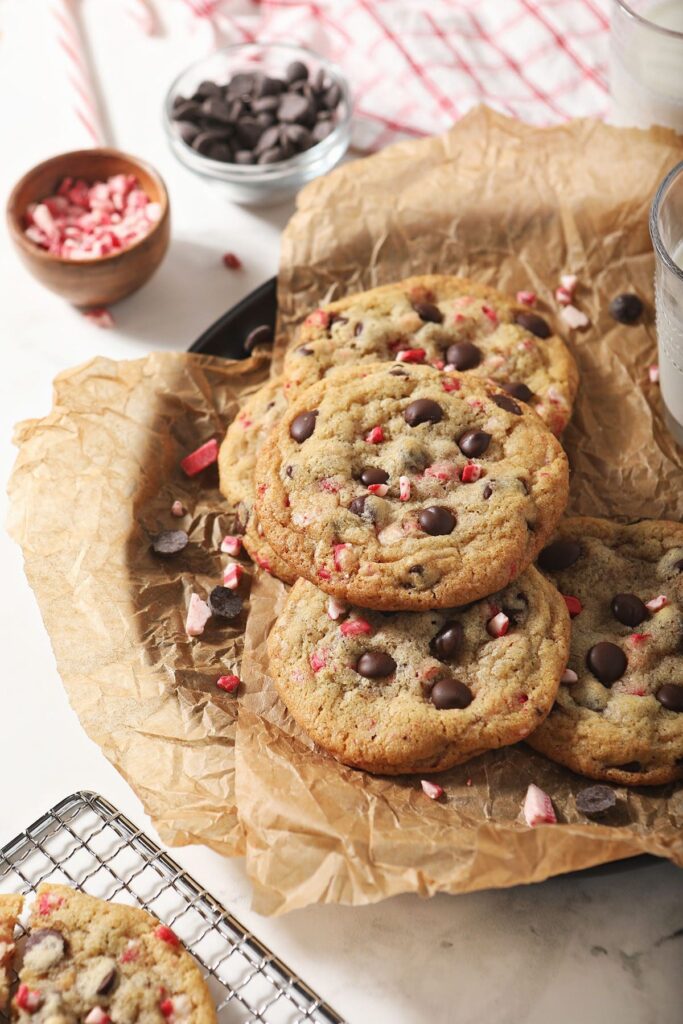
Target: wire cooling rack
<point>85,842</point>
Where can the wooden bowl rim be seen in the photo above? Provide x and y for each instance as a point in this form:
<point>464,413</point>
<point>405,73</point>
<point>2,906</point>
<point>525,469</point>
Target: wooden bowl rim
<point>36,252</point>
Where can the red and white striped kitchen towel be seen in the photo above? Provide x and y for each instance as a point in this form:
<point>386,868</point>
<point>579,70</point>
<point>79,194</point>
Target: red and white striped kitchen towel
<point>416,66</point>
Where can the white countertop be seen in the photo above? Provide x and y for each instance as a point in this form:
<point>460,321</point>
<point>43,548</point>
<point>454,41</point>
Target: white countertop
<point>589,949</point>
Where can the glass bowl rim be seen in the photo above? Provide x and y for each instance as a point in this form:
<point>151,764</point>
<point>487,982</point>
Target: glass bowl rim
<point>672,33</point>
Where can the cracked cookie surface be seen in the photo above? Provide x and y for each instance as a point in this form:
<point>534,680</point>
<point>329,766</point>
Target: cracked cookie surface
<point>621,720</point>
<point>410,692</point>
<point>443,320</point>
<point>387,490</point>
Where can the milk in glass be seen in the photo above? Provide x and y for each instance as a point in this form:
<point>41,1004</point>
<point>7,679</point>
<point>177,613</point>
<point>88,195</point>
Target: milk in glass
<point>646,63</point>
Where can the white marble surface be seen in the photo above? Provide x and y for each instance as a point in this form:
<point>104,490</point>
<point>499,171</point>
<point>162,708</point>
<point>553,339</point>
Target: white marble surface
<point>588,949</point>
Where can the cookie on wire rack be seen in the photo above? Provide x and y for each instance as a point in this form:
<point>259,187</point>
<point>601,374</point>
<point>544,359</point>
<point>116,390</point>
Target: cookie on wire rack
<point>10,908</point>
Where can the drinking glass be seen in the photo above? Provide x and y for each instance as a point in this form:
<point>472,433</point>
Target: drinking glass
<point>646,63</point>
<point>666,231</point>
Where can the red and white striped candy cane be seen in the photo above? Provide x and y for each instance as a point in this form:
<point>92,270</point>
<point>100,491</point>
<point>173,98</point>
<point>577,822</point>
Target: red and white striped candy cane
<point>70,42</point>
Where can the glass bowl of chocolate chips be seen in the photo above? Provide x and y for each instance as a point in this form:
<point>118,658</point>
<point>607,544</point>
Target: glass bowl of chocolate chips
<point>259,119</point>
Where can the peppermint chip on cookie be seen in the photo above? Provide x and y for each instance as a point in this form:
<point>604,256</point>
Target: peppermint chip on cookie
<point>236,464</point>
<point>388,490</point>
<point>619,711</point>
<point>412,692</point>
<point>97,962</point>
<point>448,322</point>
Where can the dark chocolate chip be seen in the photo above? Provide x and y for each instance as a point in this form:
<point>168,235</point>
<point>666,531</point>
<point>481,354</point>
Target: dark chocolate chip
<point>41,935</point>
<point>447,643</point>
<point>559,555</point>
<point>302,426</point>
<point>170,542</point>
<point>607,662</point>
<point>265,119</point>
<point>269,87</point>
<point>357,506</point>
<point>474,443</point>
<point>304,350</point>
<point>629,609</point>
<point>221,151</point>
<point>358,329</point>
<point>436,520</point>
<point>296,71</point>
<point>422,410</point>
<point>487,492</point>
<point>108,982</point>
<point>269,139</point>
<point>262,335</point>
<point>187,111</point>
<point>321,130</point>
<point>289,470</point>
<point>417,570</point>
<point>595,801</point>
<point>225,603</point>
<point>373,475</point>
<point>398,371</point>
<point>293,107</point>
<point>249,131</point>
<point>207,89</point>
<point>204,141</point>
<point>507,403</point>
<point>244,156</point>
<point>332,96</point>
<point>670,696</point>
<point>429,312</point>
<point>216,110</point>
<point>271,156</point>
<point>188,131</point>
<point>298,135</point>
<point>534,323</point>
<point>450,694</point>
<point>626,308</point>
<point>242,83</point>
<point>375,665</point>
<point>464,355</point>
<point>266,105</point>
<point>518,390</point>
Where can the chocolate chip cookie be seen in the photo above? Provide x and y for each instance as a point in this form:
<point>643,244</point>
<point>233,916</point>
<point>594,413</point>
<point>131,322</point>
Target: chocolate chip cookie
<point>236,464</point>
<point>399,488</point>
<point>411,692</point>
<point>619,711</point>
<point>87,960</point>
<point>10,908</point>
<point>447,322</point>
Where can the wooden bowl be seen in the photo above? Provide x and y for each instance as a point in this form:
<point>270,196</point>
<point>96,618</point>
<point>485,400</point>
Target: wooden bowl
<point>106,279</point>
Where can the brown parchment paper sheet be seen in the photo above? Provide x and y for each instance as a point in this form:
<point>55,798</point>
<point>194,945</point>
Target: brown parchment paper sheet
<point>93,480</point>
<point>514,207</point>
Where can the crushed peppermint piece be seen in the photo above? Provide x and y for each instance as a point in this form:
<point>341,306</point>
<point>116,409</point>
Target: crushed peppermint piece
<point>231,545</point>
<point>379,489</point>
<point>432,789</point>
<point>470,473</point>
<point>48,902</point>
<point>228,683</point>
<point>573,317</point>
<point>178,509</point>
<point>97,1016</point>
<point>318,318</point>
<point>538,807</point>
<point>131,952</point>
<point>200,458</point>
<point>411,355</point>
<point>29,999</point>
<point>403,488</point>
<point>498,625</point>
<point>166,934</point>
<point>100,316</point>
<point>231,261</point>
<point>490,313</point>
<point>657,603</point>
<point>198,614</point>
<point>232,574</point>
<point>166,1007</point>
<point>526,298</point>
<point>639,638</point>
<point>336,608</point>
<point>555,395</point>
<point>569,676</point>
<point>338,556</point>
<point>318,660</point>
<point>451,383</point>
<point>574,606</point>
<point>375,436</point>
<point>563,296</point>
<point>356,627</point>
<point>653,373</point>
<point>569,282</point>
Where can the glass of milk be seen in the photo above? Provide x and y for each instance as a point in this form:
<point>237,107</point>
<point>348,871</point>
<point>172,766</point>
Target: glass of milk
<point>666,231</point>
<point>646,63</point>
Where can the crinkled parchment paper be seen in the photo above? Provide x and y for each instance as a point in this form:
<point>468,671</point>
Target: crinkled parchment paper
<point>515,207</point>
<point>92,482</point>
<point>507,204</point>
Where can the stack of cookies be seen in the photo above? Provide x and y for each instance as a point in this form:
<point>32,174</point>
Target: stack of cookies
<point>404,474</point>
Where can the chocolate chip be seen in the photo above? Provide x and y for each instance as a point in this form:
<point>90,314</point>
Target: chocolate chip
<point>398,371</point>
<point>289,470</point>
<point>465,355</point>
<point>670,696</point>
<point>262,335</point>
<point>626,308</point>
<point>249,131</point>
<point>607,662</point>
<point>302,426</point>
<point>595,801</point>
<point>188,131</point>
<point>40,935</point>
<point>265,105</point>
<point>293,107</point>
<point>322,130</point>
<point>221,151</point>
<point>216,110</point>
<point>170,542</point>
<point>429,312</point>
<point>204,141</point>
<point>450,694</point>
<point>332,96</point>
<point>436,520</point>
<point>187,111</point>
<point>298,136</point>
<point>296,71</point>
<point>375,665</point>
<point>357,506</point>
<point>358,329</point>
<point>108,982</point>
<point>225,603</point>
<point>474,443</point>
<point>373,475</point>
<point>269,139</point>
<point>518,390</point>
<point>559,555</point>
<point>487,492</point>
<point>206,89</point>
<point>629,609</point>
<point>678,566</point>
<point>507,403</point>
<point>422,410</point>
<point>534,323</point>
<point>244,156</point>
<point>44,948</point>
<point>304,350</point>
<point>447,643</point>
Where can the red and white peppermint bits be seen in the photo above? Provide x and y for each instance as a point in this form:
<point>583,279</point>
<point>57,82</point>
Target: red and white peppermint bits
<point>538,808</point>
<point>381,490</point>
<point>178,509</point>
<point>411,355</point>
<point>653,373</point>
<point>451,384</point>
<point>526,298</point>
<point>432,789</point>
<point>657,603</point>
<point>100,316</point>
<point>318,660</point>
<point>318,318</point>
<point>97,1016</point>
<point>200,458</point>
<point>574,606</point>
<point>336,608</point>
<point>198,614</point>
<point>232,574</point>
<point>403,488</point>
<point>166,934</point>
<point>166,1007</point>
<point>228,683</point>
<point>470,473</point>
<point>356,627</point>
<point>231,261</point>
<point>375,436</point>
<point>498,625</point>
<point>29,999</point>
<point>569,676</point>
<point>231,545</point>
<point>84,221</point>
<point>573,317</point>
